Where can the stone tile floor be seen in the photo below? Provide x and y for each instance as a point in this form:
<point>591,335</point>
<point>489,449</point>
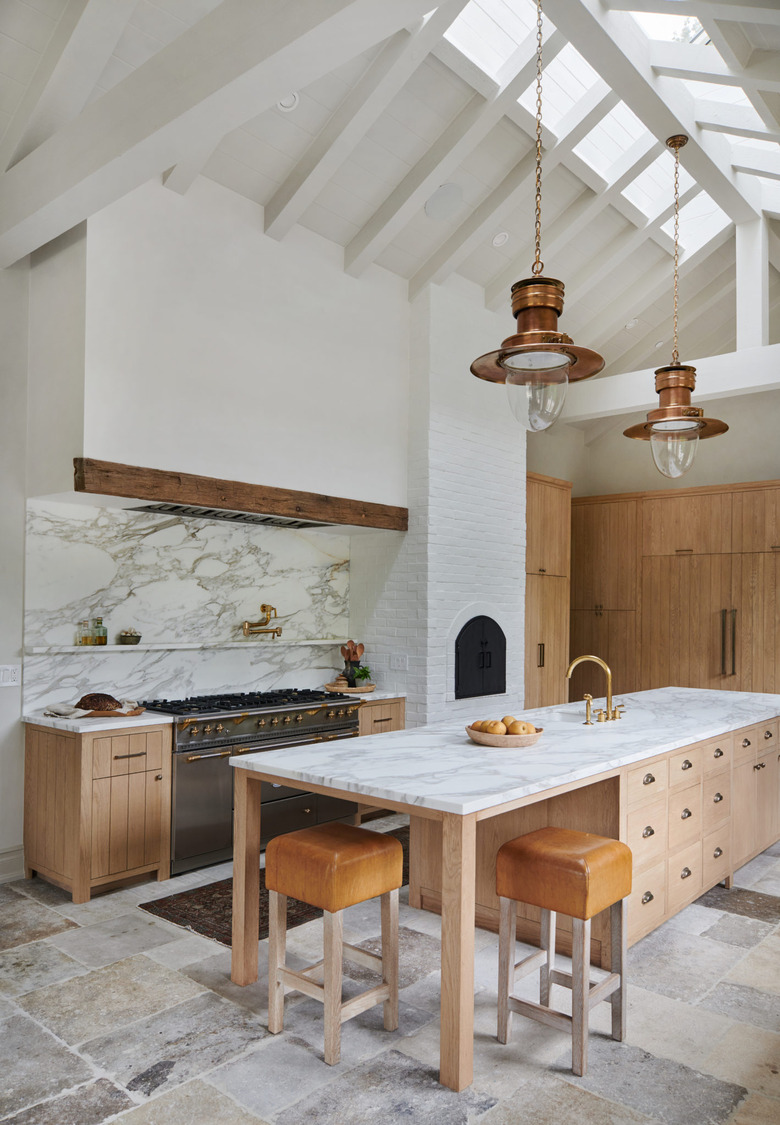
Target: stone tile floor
<point>107,1014</point>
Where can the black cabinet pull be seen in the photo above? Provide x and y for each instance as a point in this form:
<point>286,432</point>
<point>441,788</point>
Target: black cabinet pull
<point>723,642</point>
<point>540,656</point>
<point>733,642</point>
<point>120,757</point>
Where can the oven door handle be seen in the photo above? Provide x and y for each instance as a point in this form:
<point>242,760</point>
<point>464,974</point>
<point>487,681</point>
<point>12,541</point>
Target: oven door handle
<point>199,757</point>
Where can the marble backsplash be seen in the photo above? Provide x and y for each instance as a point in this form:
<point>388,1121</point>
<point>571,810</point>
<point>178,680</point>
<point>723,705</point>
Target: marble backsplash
<point>177,581</point>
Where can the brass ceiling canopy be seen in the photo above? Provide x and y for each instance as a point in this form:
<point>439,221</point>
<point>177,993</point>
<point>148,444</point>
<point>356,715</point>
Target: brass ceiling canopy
<point>538,362</point>
<point>675,427</point>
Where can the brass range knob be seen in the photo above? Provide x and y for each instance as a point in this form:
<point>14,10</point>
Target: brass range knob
<point>299,718</point>
<point>274,722</point>
<point>208,729</point>
<point>341,714</point>
<point>287,719</point>
<point>194,730</point>
<point>261,722</point>
<point>331,714</point>
<point>219,728</point>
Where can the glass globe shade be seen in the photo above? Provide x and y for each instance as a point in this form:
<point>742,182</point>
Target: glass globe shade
<point>537,404</point>
<point>674,445</point>
<point>519,362</point>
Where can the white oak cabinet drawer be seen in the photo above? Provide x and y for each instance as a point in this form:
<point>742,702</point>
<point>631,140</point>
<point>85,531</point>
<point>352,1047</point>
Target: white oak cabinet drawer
<point>647,903</point>
<point>644,783</point>
<point>685,766</point>
<point>684,816</point>
<point>718,754</point>
<point>716,855</point>
<point>683,876</point>
<point>715,800</point>
<point>646,835</point>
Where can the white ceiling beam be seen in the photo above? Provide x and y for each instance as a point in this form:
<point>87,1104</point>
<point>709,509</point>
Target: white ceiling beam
<point>575,125</point>
<point>75,56</point>
<point>758,370</point>
<point>736,120</point>
<point>730,40</point>
<point>614,44</point>
<point>353,118</point>
<point>584,210</point>
<point>697,64</point>
<point>183,174</point>
<point>752,281</point>
<point>746,11</point>
<point>234,63</point>
<point>458,140</point>
<point>757,162</point>
<point>595,430</point>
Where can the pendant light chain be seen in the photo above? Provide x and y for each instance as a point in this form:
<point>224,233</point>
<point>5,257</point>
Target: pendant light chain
<point>538,265</point>
<point>675,352</point>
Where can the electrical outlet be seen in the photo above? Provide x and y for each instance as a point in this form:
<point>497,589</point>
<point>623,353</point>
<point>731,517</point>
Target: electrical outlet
<point>399,663</point>
<point>10,675</point>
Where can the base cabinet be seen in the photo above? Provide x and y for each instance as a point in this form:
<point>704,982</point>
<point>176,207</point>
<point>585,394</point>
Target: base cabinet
<point>97,806</point>
<point>755,797</point>
<point>378,717</point>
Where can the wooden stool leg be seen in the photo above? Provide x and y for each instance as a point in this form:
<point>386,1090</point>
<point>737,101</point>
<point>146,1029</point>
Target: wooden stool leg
<point>548,943</point>
<point>277,958</point>
<point>333,927</point>
<point>618,916</point>
<point>506,965</point>
<point>389,904</point>
<point>580,969</point>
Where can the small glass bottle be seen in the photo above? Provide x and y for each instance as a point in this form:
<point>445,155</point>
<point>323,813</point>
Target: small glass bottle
<point>99,632</point>
<point>84,635</point>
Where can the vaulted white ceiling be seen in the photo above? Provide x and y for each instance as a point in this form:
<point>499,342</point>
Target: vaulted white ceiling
<point>405,135</point>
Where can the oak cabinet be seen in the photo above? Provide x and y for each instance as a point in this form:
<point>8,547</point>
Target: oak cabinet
<point>755,520</point>
<point>97,806</point>
<point>548,525</point>
<point>610,634</point>
<point>546,639</point>
<point>603,555</point>
<point>691,524</point>
<point>755,791</point>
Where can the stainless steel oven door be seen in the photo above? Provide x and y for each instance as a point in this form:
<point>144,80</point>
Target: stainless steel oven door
<point>202,813</point>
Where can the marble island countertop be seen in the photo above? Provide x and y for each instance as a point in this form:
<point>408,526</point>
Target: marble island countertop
<point>439,767</point>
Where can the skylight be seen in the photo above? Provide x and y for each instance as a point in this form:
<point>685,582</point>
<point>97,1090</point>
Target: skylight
<point>610,139</point>
<point>670,29</point>
<point>700,221</point>
<point>653,189</point>
<point>567,78</point>
<point>489,31</point>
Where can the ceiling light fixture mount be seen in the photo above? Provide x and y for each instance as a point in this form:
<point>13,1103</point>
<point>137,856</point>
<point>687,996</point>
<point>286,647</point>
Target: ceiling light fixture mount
<point>538,362</point>
<point>675,428</point>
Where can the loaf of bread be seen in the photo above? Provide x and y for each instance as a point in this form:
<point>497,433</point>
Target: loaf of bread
<point>99,701</point>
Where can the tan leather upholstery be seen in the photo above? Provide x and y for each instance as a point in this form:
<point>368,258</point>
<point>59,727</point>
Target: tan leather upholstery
<point>574,873</point>
<point>334,865</point>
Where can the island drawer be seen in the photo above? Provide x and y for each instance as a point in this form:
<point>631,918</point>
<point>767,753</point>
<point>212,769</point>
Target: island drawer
<point>644,782</point>
<point>717,754</point>
<point>685,766</point>
<point>716,855</point>
<point>715,800</point>
<point>647,902</point>
<point>684,872</point>
<point>646,835</point>
<point>752,741</point>
<point>684,816</point>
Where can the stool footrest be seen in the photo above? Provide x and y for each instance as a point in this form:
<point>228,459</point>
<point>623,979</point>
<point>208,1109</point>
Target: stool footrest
<point>364,1001</point>
<point>361,956</point>
<point>299,982</point>
<point>538,1012</point>
<point>530,963</point>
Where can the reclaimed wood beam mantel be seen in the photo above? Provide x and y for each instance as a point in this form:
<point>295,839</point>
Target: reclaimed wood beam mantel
<point>165,487</point>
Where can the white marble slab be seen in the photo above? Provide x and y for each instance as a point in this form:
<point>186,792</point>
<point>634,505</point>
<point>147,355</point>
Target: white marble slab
<point>89,726</point>
<point>439,767</point>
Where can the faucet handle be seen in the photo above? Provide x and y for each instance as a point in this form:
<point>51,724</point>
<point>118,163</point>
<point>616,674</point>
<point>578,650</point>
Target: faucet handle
<point>588,700</point>
<point>601,715</point>
<point>617,711</point>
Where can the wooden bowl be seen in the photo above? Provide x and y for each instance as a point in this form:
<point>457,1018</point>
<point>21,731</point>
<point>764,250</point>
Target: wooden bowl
<point>504,741</point>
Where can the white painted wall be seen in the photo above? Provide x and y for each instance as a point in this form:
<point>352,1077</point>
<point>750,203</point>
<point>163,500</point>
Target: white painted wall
<point>213,349</point>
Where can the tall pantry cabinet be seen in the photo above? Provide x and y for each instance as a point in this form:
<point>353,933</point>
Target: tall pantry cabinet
<point>547,562</point>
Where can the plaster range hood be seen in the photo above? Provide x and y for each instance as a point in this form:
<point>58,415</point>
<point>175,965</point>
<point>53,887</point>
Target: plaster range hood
<point>191,511</point>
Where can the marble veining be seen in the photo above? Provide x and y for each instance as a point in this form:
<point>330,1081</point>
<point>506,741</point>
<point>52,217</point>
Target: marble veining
<point>438,767</point>
<point>177,580</point>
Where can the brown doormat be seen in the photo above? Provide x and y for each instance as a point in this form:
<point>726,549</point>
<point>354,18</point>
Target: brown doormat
<point>208,910</point>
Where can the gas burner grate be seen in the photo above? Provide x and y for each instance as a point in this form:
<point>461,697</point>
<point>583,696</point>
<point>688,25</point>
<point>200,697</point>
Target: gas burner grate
<point>241,701</point>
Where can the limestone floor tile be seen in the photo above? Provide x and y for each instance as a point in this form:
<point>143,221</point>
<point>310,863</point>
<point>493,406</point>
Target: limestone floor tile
<point>756,1110</point>
<point>184,951</point>
<point>191,1104</point>
<point>88,1105</point>
<point>214,973</point>
<point>173,1046</point>
<point>741,900</point>
<point>680,965</point>
<point>746,1005</point>
<point>661,1088</point>
<point>405,1089</point>
<point>736,929</point>
<point>756,869</point>
<point>671,1029</point>
<point>419,956</point>
<point>36,1066</point>
<point>115,939</point>
<point>108,998</point>
<point>27,967</point>
<point>769,884</point>
<point>760,967</point>
<point>553,1101</point>
<point>279,1072</point>
<point>748,1056</point>
<point>25,920</point>
<point>100,906</point>
<point>694,919</point>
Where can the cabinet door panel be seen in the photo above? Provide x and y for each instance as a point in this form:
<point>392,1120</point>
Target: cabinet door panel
<point>548,527</point>
<point>604,555</point>
<point>101,826</point>
<point>117,831</point>
<point>756,520</point>
<point>136,820</point>
<point>153,817</point>
<point>546,640</point>
<point>693,525</point>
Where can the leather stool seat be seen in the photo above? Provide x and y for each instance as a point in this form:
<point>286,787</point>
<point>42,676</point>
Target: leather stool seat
<point>333,866</point>
<point>578,874</point>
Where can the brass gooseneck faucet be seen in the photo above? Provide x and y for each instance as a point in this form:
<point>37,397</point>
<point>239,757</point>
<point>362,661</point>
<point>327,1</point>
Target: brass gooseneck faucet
<point>602,716</point>
<point>251,627</point>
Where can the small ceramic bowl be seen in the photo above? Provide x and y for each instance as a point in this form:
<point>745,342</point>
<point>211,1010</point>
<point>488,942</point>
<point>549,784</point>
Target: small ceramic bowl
<point>129,638</point>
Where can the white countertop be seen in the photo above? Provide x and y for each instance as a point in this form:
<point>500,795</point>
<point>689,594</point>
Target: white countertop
<point>439,767</point>
<point>89,726</point>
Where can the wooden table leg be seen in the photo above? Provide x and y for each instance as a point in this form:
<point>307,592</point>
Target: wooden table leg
<point>459,835</point>
<point>246,876</point>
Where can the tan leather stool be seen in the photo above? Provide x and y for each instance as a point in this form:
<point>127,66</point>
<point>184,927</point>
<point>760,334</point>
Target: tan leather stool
<point>566,872</point>
<point>333,866</point>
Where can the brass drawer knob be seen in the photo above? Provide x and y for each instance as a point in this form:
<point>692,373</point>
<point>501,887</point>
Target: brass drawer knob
<point>687,765</point>
<point>768,734</point>
<point>717,853</point>
<point>649,831</point>
<point>746,742</point>
<point>648,896</point>
<point>685,814</point>
<point>685,873</point>
<point>718,753</point>
<point>717,798</point>
<point>648,779</point>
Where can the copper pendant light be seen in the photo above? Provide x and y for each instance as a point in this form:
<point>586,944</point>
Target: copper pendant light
<point>538,362</point>
<point>675,428</point>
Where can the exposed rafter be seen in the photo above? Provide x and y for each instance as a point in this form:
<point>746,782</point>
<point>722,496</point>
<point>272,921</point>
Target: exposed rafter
<point>748,11</point>
<point>736,120</point>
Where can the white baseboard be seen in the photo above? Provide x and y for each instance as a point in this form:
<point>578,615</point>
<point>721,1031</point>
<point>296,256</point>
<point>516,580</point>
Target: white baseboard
<point>11,864</point>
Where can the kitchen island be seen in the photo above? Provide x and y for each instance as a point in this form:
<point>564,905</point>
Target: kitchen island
<point>683,771</point>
